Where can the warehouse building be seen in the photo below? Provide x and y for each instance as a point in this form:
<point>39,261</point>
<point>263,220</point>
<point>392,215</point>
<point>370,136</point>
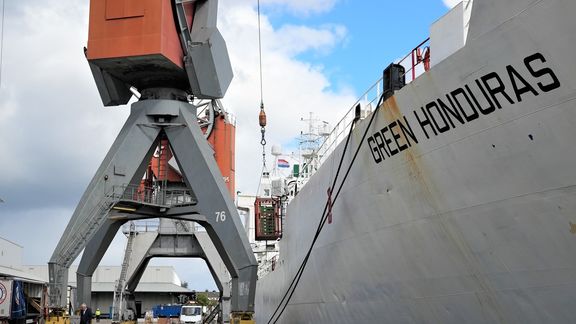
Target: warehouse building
<point>158,285</point>
<point>20,292</point>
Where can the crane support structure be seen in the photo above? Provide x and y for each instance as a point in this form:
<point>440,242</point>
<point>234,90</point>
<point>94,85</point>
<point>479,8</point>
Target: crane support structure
<point>210,204</point>
<point>177,242</point>
<point>168,241</point>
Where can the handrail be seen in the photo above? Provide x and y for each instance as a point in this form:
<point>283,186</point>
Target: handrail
<point>141,226</point>
<point>166,197</point>
<point>417,57</point>
<point>370,98</point>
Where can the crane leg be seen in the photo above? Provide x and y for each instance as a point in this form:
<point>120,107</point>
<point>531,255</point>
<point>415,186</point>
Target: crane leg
<point>222,222</point>
<point>124,163</point>
<point>124,166</point>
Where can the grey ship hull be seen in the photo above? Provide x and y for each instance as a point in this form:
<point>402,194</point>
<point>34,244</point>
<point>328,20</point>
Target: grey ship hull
<point>471,225</point>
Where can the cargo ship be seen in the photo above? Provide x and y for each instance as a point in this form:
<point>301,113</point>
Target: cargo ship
<point>452,198</point>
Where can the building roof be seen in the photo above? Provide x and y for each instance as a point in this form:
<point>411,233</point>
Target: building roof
<point>109,274</point>
<point>13,243</point>
<point>142,287</point>
<point>19,274</point>
<point>154,278</point>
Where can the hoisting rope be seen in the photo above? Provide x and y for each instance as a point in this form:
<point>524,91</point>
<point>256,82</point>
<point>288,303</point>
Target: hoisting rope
<point>329,203</point>
<point>262,115</point>
<point>2,41</point>
<point>262,120</point>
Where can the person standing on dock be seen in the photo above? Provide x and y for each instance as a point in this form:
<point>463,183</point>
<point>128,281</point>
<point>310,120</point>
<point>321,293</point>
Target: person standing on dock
<point>85,314</point>
<point>97,313</point>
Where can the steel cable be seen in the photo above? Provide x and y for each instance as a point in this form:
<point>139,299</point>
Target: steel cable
<point>294,283</point>
<point>262,116</point>
<point>260,56</point>
<point>2,41</point>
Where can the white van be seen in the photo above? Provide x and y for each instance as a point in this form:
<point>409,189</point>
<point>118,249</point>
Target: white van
<point>191,314</point>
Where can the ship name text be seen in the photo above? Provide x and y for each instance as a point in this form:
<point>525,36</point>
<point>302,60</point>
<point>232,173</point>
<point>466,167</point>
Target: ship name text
<point>463,105</point>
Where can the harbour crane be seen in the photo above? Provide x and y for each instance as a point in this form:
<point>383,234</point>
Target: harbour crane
<point>171,54</point>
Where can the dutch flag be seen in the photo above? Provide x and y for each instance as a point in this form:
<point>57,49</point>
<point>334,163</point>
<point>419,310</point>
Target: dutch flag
<point>283,163</point>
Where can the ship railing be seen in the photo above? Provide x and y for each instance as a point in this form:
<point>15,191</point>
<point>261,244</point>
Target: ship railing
<point>367,102</point>
<point>416,62</point>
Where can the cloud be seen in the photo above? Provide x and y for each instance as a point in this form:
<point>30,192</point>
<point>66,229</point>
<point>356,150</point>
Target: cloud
<point>292,88</point>
<point>305,38</point>
<point>299,8</point>
<point>51,120</point>
<point>55,132</point>
<point>451,3</point>
<point>304,7</point>
<point>34,229</point>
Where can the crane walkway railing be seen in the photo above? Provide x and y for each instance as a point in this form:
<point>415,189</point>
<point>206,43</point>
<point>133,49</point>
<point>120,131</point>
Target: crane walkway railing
<point>152,196</point>
<point>84,228</point>
<point>180,226</point>
<point>141,226</point>
<point>82,231</point>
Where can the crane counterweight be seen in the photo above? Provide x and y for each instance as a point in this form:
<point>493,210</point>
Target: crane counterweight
<point>140,44</point>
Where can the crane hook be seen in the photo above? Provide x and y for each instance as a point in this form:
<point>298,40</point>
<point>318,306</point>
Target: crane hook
<point>262,120</point>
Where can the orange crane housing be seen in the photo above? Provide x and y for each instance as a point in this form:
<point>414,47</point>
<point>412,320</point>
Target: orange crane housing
<point>127,39</point>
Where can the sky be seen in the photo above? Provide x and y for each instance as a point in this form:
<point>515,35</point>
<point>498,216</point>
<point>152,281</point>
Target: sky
<point>318,56</point>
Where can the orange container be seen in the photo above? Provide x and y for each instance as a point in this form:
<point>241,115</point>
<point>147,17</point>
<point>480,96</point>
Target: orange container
<point>137,41</point>
<point>223,140</point>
